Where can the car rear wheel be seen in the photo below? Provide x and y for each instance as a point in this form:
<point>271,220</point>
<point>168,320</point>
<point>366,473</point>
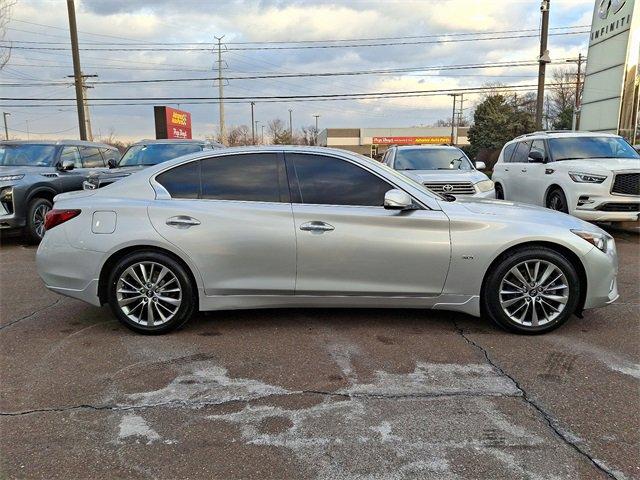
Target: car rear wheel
<point>36,213</point>
<point>556,200</point>
<point>151,293</point>
<point>499,192</point>
<point>531,291</point>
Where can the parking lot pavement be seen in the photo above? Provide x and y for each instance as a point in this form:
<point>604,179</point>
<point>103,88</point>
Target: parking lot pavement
<point>314,393</point>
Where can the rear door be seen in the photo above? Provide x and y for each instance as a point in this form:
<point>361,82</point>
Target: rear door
<point>349,244</point>
<point>232,216</point>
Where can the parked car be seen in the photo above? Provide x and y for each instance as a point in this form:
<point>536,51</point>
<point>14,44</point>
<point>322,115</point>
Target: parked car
<point>594,176</point>
<point>315,227</point>
<point>143,154</point>
<point>33,172</point>
<point>443,169</point>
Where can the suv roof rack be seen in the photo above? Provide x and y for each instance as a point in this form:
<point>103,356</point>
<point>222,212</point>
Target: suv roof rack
<point>546,132</point>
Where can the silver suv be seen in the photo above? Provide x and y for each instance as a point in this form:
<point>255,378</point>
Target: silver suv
<point>33,172</point>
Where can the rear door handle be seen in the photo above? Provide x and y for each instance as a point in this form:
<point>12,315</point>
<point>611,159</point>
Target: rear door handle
<point>506,169</point>
<point>316,227</point>
<point>524,170</point>
<point>182,221</point>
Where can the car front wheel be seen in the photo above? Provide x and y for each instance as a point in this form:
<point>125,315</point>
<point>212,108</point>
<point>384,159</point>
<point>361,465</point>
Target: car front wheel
<point>557,201</point>
<point>151,293</point>
<point>531,291</point>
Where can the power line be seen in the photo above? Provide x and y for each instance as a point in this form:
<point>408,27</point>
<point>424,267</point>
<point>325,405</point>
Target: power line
<point>297,47</point>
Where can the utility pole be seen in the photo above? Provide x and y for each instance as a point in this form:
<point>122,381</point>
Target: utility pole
<point>453,116</point>
<point>253,125</point>
<point>290,125</point>
<point>75,52</point>
<point>223,135</point>
<point>256,122</point>
<point>6,129</point>
<point>315,142</point>
<point>262,126</point>
<point>576,105</point>
<point>542,60</point>
<point>85,104</point>
<point>460,109</point>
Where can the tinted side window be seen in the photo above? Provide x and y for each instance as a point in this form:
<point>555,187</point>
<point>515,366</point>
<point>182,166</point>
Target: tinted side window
<point>521,153</point>
<point>254,177</point>
<point>331,181</point>
<point>182,181</point>
<point>91,157</point>
<point>109,154</point>
<point>71,153</point>
<point>508,151</point>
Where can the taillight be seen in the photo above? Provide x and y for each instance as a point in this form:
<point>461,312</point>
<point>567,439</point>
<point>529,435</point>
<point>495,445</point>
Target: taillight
<point>56,217</point>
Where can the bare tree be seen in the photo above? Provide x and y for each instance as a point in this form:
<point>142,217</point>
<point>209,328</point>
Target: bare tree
<point>279,133</point>
<point>5,16</point>
<point>562,98</point>
<point>308,135</point>
<point>238,136</point>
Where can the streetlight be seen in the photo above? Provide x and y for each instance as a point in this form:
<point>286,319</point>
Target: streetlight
<point>6,129</point>
<point>262,126</point>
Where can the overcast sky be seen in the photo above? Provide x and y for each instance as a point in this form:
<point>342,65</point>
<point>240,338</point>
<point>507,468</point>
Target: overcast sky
<point>167,21</point>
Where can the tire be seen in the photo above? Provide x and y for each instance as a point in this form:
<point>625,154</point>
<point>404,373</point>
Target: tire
<point>499,192</point>
<point>556,200</point>
<point>161,292</point>
<point>36,211</point>
<point>546,296</point>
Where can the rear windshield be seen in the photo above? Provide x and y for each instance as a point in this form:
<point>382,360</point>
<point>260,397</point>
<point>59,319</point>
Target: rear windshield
<point>431,159</point>
<point>155,153</point>
<point>27,155</point>
<point>577,148</point>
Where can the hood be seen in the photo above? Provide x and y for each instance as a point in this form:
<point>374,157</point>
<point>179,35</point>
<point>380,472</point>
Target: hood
<point>18,170</point>
<point>523,211</point>
<point>422,176</point>
<point>603,165</point>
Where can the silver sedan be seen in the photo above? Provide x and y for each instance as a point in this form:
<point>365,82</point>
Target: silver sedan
<point>316,227</point>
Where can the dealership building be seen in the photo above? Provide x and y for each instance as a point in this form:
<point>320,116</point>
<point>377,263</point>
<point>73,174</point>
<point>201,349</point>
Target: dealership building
<point>610,98</point>
<point>371,141</point>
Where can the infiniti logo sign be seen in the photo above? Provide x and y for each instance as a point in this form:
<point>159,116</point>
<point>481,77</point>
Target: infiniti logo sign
<point>607,5</point>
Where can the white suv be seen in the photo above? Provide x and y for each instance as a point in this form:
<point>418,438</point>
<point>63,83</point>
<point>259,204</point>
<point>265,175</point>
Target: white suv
<point>440,168</point>
<point>594,176</point>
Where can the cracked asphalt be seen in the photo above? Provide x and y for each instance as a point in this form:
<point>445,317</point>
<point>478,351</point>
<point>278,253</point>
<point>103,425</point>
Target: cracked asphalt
<point>314,393</point>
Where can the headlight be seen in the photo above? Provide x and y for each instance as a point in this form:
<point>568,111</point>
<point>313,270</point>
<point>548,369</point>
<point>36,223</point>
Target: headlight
<point>484,185</point>
<point>8,178</point>
<point>602,241</point>
<point>587,177</point>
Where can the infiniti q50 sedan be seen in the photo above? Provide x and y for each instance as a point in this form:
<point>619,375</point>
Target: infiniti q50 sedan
<point>287,226</point>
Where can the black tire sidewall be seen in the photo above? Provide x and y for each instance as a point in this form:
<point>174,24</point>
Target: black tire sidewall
<point>188,291</point>
<point>30,232</point>
<point>491,300</point>
<point>560,194</point>
<point>499,192</point>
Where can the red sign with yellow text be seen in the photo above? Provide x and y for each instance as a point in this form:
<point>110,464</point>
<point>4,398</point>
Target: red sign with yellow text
<point>409,140</point>
<point>172,123</point>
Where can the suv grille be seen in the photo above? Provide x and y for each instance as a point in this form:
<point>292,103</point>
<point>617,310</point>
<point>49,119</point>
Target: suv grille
<point>626,184</point>
<point>459,188</point>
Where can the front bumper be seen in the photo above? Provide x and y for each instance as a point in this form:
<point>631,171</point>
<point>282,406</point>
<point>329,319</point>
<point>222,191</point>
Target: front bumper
<point>602,283</point>
<point>490,194</point>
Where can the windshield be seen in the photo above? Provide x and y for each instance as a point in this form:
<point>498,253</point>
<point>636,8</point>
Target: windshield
<point>26,155</point>
<point>156,153</point>
<point>431,159</point>
<point>577,148</point>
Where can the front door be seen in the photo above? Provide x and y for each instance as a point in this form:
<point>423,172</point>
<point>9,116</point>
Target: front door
<point>348,244</point>
<point>533,184</point>
<point>517,177</point>
<point>232,216</point>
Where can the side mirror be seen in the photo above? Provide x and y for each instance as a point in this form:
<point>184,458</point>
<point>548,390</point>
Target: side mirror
<point>481,166</point>
<point>397,200</point>
<point>112,163</point>
<point>536,156</point>
<point>66,166</point>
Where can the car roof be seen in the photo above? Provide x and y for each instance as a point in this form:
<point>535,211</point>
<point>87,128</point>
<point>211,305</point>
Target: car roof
<point>562,134</point>
<point>79,143</point>
<point>151,141</point>
<point>426,147</point>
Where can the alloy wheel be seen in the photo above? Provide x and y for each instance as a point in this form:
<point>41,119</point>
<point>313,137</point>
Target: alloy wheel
<point>534,293</point>
<point>39,215</point>
<point>556,203</point>
<point>148,293</point>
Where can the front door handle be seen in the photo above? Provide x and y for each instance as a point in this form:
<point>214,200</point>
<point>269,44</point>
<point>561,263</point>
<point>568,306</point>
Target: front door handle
<point>506,169</point>
<point>524,170</point>
<point>316,227</point>
<point>182,221</point>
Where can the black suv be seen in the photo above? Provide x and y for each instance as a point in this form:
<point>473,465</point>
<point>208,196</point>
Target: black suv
<point>33,172</point>
<point>144,154</point>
